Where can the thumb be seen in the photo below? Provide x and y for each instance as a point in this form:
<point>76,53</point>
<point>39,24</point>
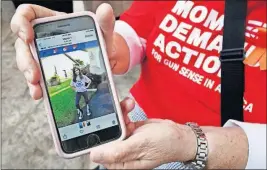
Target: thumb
<point>25,13</point>
<point>106,20</point>
<point>116,152</point>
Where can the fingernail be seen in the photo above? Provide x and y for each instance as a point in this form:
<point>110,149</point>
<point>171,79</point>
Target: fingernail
<point>129,101</point>
<point>28,75</point>
<point>22,35</point>
<point>112,63</point>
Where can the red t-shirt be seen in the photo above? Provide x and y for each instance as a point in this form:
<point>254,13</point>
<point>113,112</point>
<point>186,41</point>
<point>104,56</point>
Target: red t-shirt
<point>180,78</point>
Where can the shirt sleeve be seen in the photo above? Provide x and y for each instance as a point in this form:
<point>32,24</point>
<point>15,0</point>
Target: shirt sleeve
<point>136,44</point>
<point>256,134</point>
<point>134,26</point>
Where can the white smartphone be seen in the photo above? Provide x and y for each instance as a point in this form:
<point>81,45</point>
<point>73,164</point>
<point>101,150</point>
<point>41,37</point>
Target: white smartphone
<point>80,97</point>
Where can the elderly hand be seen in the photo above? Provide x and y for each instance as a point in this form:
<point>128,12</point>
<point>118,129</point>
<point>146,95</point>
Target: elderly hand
<point>21,26</point>
<point>151,143</point>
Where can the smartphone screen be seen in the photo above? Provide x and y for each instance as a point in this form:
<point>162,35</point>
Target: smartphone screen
<point>77,83</point>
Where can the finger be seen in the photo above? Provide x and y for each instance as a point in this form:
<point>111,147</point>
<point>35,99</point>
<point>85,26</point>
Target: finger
<point>132,126</point>
<point>120,151</point>
<point>35,91</point>
<point>113,63</point>
<point>25,13</point>
<point>106,20</point>
<point>127,106</point>
<point>26,63</point>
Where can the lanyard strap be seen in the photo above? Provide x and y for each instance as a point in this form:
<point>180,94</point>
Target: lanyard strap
<point>232,56</point>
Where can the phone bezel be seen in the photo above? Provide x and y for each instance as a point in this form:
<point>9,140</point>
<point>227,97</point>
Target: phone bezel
<point>101,44</point>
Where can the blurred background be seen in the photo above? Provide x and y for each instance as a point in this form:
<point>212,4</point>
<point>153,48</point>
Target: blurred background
<point>26,138</point>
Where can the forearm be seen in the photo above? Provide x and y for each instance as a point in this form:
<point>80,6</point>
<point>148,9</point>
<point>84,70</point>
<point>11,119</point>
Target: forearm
<point>73,88</point>
<point>129,48</point>
<point>88,84</point>
<point>228,147</point>
<point>120,59</point>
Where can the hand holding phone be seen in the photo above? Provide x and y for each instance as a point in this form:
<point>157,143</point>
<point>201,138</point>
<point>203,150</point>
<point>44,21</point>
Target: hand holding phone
<point>21,26</point>
<point>49,47</point>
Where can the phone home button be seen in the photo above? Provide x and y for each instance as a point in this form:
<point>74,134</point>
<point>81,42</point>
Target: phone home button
<point>92,140</point>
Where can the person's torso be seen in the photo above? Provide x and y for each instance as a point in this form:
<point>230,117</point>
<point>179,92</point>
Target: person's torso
<point>80,84</point>
<point>180,77</point>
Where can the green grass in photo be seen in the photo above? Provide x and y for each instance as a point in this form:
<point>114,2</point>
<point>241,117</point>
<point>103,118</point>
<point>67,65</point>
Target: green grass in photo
<point>64,109</point>
<point>63,104</point>
<point>55,89</point>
